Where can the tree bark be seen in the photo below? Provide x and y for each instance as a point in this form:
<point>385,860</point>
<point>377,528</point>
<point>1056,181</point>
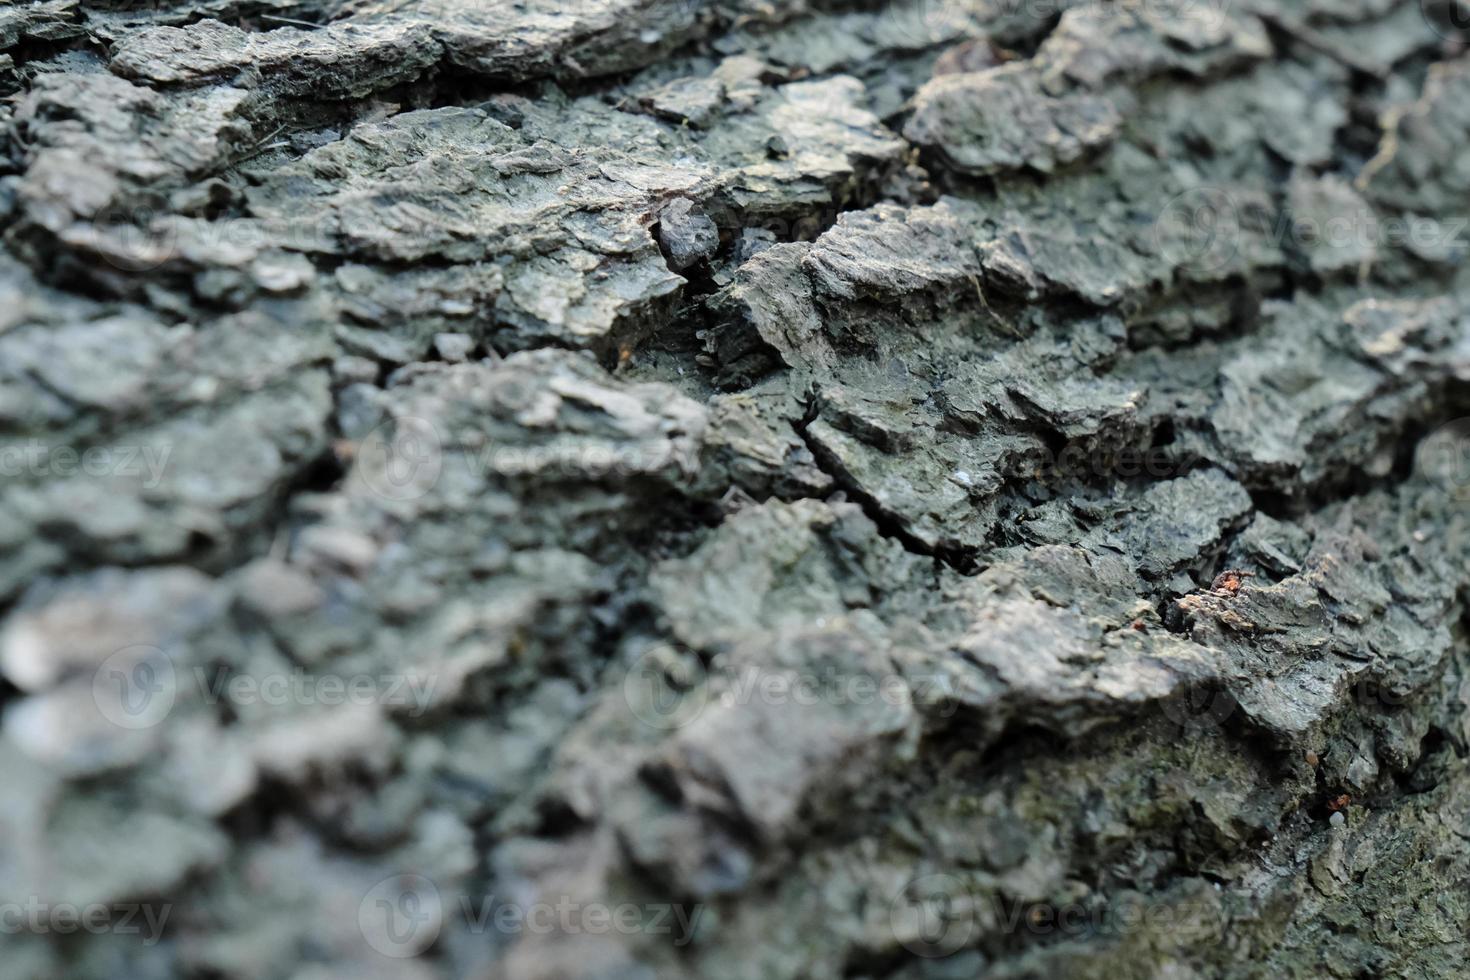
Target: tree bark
<point>662,488</point>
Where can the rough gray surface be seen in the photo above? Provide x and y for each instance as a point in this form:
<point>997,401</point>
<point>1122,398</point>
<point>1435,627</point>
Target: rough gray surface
<point>663,488</point>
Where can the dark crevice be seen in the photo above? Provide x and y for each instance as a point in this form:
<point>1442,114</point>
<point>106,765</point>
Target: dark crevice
<point>1353,481</point>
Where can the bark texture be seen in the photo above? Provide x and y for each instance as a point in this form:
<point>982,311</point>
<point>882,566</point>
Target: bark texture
<point>728,489</point>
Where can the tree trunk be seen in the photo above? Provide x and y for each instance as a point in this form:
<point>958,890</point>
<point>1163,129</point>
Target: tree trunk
<point>663,488</point>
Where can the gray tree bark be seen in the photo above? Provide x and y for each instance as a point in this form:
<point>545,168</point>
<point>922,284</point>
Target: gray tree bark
<point>663,488</point>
